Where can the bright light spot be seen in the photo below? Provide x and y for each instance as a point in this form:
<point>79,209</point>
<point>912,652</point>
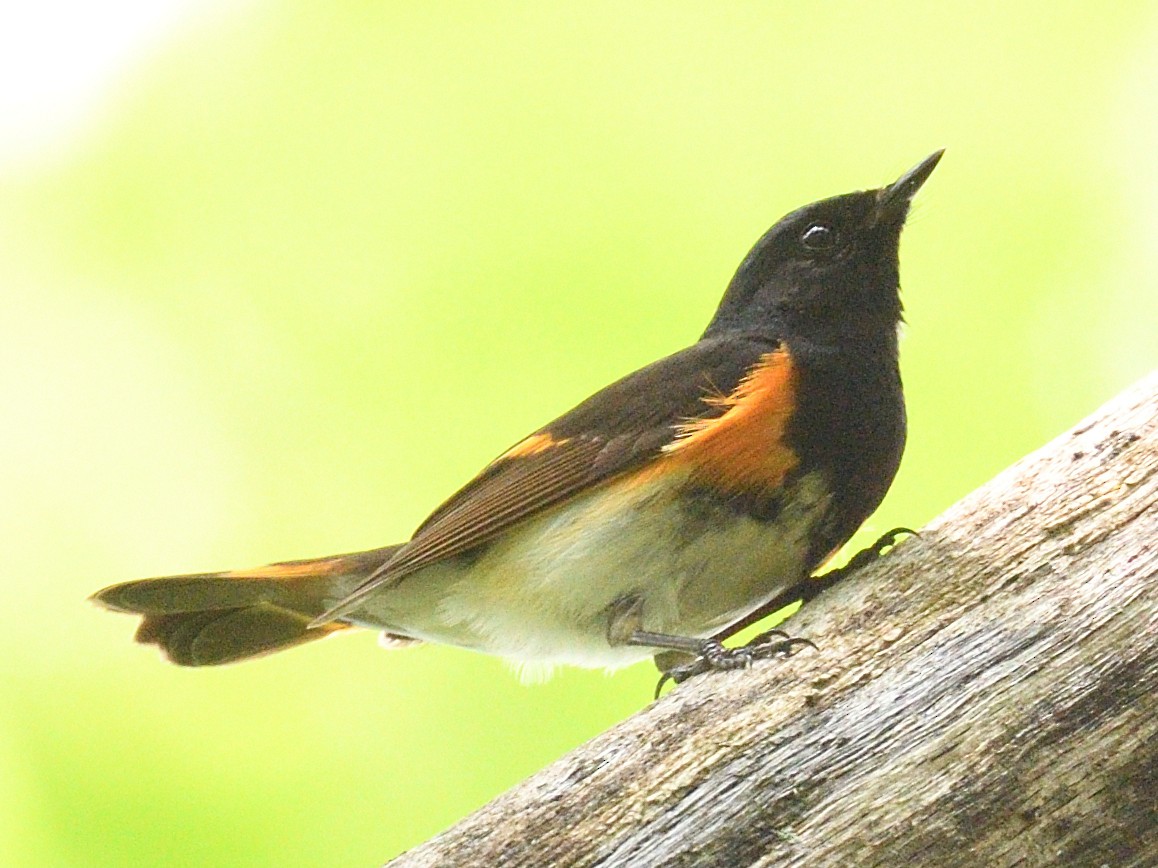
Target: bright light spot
<point>60,58</point>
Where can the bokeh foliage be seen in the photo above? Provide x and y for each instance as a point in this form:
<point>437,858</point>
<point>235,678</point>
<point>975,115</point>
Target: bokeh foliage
<point>318,262</point>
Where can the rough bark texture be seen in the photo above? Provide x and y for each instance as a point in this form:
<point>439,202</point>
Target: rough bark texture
<point>986,694</point>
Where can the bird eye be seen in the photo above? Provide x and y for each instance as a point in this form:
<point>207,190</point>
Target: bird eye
<point>818,237</point>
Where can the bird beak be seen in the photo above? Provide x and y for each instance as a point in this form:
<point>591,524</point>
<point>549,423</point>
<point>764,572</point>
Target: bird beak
<point>893,200</point>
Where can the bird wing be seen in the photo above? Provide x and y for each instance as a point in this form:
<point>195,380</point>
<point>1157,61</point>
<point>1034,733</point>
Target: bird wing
<point>618,429</point>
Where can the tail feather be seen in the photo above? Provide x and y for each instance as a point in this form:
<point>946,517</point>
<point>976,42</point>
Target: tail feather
<point>212,618</point>
<point>220,636</point>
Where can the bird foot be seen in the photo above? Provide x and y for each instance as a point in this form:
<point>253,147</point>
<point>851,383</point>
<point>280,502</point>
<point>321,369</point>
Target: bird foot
<point>714,657</point>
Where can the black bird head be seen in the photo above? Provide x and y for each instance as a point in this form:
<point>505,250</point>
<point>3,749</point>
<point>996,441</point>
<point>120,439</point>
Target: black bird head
<point>827,270</point>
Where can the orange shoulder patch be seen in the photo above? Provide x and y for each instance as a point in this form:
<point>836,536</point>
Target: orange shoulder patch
<point>744,448</point>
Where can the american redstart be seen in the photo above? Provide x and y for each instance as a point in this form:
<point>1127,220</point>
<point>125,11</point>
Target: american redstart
<point>660,515</point>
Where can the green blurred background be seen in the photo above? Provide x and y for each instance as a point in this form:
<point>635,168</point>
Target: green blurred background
<point>295,270</point>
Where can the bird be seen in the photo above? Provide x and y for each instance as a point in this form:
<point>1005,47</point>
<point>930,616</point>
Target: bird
<point>655,518</point>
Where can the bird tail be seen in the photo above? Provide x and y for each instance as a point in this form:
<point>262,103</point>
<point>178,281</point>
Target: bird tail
<point>212,618</point>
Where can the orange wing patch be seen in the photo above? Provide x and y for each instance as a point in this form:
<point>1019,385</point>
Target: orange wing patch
<point>744,447</point>
<point>289,570</point>
<point>532,445</point>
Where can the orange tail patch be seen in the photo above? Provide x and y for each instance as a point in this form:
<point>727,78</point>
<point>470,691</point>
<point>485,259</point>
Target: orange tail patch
<point>212,618</point>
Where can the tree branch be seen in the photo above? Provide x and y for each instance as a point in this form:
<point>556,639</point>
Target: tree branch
<point>984,695</point>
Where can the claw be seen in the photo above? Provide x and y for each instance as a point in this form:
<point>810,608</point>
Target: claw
<point>861,559</point>
<point>764,646</point>
<point>889,539</point>
<point>884,542</point>
<point>714,657</point>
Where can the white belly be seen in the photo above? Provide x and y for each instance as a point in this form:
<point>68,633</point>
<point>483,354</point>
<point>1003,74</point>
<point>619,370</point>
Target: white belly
<point>541,595</point>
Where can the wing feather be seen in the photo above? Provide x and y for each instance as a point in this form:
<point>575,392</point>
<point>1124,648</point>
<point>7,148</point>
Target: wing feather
<point>618,429</point>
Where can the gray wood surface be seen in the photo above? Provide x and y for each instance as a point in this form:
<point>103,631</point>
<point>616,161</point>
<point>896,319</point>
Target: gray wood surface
<point>983,695</point>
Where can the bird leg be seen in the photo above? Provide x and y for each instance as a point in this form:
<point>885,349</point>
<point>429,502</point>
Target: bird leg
<point>810,588</point>
<point>706,655</point>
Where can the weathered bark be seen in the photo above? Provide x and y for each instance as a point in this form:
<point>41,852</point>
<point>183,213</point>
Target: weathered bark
<point>986,694</point>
